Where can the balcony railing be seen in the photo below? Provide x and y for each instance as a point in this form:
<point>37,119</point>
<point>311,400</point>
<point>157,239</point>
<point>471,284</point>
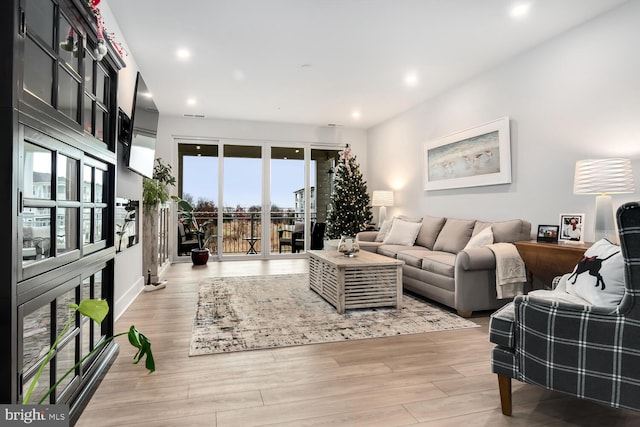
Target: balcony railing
<point>242,231</point>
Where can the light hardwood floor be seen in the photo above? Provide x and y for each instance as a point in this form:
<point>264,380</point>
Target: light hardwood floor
<point>431,379</point>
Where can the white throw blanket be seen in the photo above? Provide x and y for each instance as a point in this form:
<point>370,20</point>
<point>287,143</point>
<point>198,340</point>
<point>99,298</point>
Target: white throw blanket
<point>510,270</point>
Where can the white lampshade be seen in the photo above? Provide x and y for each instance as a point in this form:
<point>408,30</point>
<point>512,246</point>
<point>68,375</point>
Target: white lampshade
<point>597,176</point>
<point>382,198</point>
<point>604,177</point>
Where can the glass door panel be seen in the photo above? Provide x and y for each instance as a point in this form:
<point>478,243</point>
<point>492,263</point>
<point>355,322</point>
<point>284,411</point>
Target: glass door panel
<point>287,215</point>
<point>198,165</point>
<point>242,200</point>
<point>324,163</point>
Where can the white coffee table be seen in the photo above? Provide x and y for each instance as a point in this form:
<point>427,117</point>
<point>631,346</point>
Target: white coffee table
<point>363,281</point>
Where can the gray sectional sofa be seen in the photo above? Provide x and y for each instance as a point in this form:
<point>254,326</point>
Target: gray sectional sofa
<point>437,266</point>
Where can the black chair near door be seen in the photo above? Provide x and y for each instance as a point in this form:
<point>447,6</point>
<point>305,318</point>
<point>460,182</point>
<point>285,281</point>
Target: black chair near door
<point>292,238</point>
<point>317,235</point>
<point>186,240</point>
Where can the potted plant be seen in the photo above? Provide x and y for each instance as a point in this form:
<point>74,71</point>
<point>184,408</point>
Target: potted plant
<point>186,214</point>
<point>96,310</point>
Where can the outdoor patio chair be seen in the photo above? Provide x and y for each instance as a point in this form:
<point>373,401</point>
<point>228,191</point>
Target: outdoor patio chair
<point>292,238</point>
<point>186,240</point>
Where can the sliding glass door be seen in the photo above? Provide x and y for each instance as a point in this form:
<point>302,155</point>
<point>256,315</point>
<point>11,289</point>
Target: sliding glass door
<point>242,198</point>
<point>261,200</point>
<point>198,184</point>
<point>288,200</point>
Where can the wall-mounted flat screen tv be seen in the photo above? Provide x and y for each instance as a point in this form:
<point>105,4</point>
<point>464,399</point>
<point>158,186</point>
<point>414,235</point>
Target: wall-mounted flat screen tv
<point>143,130</point>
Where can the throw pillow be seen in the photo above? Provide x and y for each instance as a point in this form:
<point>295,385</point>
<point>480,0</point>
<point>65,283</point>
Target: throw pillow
<point>402,233</point>
<point>384,230</point>
<point>599,276</point>
<point>431,226</point>
<point>455,234</point>
<point>483,238</point>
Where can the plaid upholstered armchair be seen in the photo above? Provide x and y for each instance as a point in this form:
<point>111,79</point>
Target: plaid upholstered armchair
<point>585,350</point>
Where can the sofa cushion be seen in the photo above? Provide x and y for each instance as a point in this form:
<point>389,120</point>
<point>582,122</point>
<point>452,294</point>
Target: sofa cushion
<point>391,250</point>
<point>413,256</point>
<point>428,233</point>
<point>384,230</point>
<point>408,218</point>
<point>440,263</point>
<point>402,233</point>
<point>454,235</point>
<point>385,227</point>
<point>506,231</point>
<point>483,238</point>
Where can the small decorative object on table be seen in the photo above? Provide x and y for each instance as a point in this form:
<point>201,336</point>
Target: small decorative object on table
<point>348,246</point>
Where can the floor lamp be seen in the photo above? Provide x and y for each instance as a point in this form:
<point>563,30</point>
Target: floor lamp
<point>604,177</point>
<point>382,199</point>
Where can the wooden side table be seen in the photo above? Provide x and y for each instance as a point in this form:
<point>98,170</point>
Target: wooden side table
<point>548,260</point>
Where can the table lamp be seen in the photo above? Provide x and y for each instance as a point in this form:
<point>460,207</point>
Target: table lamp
<point>382,199</point>
<point>603,177</point>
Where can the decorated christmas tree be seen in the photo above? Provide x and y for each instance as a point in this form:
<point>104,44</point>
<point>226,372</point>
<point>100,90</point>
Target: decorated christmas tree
<point>350,203</point>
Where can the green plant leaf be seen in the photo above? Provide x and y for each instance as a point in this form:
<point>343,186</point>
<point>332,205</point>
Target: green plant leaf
<point>142,343</point>
<point>93,308</point>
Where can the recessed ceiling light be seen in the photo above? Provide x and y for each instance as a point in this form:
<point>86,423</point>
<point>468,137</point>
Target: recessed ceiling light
<point>411,79</point>
<point>191,101</point>
<point>356,114</point>
<point>520,10</point>
<point>183,54</point>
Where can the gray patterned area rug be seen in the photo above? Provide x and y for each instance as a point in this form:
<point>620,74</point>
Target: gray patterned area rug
<point>257,312</point>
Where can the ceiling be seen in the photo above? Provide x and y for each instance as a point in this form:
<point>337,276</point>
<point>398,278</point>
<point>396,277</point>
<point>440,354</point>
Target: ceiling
<point>319,61</point>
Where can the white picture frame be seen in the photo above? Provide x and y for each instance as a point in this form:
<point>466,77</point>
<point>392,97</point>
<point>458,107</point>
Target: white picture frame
<point>474,157</point>
<point>571,227</point>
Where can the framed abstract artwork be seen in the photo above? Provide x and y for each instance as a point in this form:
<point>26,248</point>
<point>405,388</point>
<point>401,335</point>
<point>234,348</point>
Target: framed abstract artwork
<point>470,158</point>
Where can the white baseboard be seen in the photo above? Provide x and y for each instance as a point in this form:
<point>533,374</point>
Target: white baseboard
<point>125,301</point>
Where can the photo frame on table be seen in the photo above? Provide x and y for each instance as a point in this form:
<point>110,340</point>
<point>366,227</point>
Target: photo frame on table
<point>572,227</point>
<point>474,157</point>
<point>548,233</point>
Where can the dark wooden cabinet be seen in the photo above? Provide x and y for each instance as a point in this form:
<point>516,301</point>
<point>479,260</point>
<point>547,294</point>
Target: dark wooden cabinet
<point>58,116</point>
<point>548,260</point>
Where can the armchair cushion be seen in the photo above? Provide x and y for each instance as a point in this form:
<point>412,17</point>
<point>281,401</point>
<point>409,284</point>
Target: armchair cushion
<point>599,276</point>
<point>501,326</point>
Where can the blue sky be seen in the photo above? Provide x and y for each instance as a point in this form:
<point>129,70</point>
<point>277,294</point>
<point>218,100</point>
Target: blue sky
<point>243,179</point>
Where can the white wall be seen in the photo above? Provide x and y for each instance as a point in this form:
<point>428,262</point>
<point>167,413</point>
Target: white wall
<point>244,130</point>
<point>574,97</point>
